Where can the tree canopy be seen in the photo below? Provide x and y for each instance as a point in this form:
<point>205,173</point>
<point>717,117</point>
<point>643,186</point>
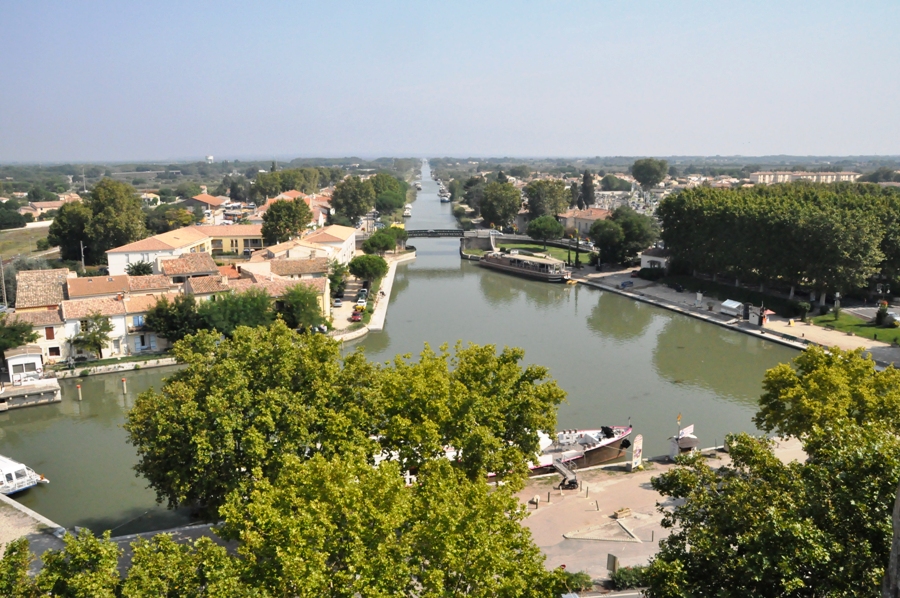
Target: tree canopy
<point>379,243</point>
<point>285,220</point>
<point>299,307</point>
<point>587,190</point>
<point>14,333</point>
<point>226,311</point>
<point>499,202</point>
<point>353,198</point>
<point>174,320</point>
<point>93,334</point>
<point>649,172</point>
<point>139,269</point>
<point>368,267</point>
<point>70,229</point>
<point>545,228</point>
<point>546,197</point>
<point>828,237</point>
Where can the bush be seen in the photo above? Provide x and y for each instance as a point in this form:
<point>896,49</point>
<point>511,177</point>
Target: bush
<point>577,582</point>
<point>459,212</point>
<point>627,578</point>
<point>466,223</point>
<point>85,373</point>
<point>593,258</point>
<point>651,273</point>
<point>837,313</point>
<point>881,315</point>
<point>824,309</point>
<point>803,307</point>
<point>43,244</point>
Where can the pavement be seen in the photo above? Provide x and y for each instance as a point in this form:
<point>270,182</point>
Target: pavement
<point>586,515</point>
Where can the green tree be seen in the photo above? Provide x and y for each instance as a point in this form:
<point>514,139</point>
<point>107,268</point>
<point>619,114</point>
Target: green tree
<point>639,231</point>
<point>164,218</point>
<point>86,568</point>
<point>174,320</point>
<point>379,243</point>
<point>116,218</point>
<point>162,567</point>
<point>285,220</point>
<point>299,307</point>
<point>353,198</point>
<point>611,182</point>
<point>383,182</point>
<point>93,334</point>
<point>368,267</point>
<point>70,229</point>
<point>399,234</point>
<point>609,237</point>
<point>14,579</point>
<point>546,197</point>
<point>499,203</point>
<point>337,277</point>
<point>14,333</point>
<point>545,228</point>
<point>587,190</point>
<point>649,172</point>
<point>139,269</point>
<point>187,190</point>
<point>226,311</point>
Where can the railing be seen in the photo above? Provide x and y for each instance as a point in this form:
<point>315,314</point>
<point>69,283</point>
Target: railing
<point>442,232</point>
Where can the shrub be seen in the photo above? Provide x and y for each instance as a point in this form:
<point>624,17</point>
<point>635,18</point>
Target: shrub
<point>43,244</point>
<point>803,309</point>
<point>837,313</point>
<point>459,212</point>
<point>137,366</point>
<point>577,582</point>
<point>651,273</point>
<point>85,373</point>
<point>466,223</point>
<point>881,314</point>
<point>593,258</point>
<point>824,309</point>
<point>627,578</point>
<point>895,324</point>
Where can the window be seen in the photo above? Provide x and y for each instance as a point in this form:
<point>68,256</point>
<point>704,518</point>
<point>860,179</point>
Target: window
<point>54,352</point>
<point>143,342</point>
<point>137,321</point>
<point>49,333</point>
<point>117,345</point>
<point>21,368</point>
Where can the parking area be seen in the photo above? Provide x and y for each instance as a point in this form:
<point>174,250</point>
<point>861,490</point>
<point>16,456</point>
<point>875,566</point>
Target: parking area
<point>342,315</point>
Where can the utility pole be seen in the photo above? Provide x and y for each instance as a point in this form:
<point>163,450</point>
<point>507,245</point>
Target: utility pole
<point>3,282</point>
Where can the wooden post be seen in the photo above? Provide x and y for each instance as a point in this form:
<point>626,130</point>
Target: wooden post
<point>79,391</point>
<point>548,497</point>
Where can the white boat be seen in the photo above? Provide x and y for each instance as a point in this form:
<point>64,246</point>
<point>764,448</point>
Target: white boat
<point>407,213</point>
<point>15,476</point>
<point>581,448</point>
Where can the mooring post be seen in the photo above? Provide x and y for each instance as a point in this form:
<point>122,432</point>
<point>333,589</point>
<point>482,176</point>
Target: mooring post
<point>124,387</point>
<point>548,497</point>
<point>79,391</point>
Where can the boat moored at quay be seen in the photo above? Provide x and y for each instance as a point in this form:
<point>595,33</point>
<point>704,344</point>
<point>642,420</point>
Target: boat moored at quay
<point>15,476</point>
<point>581,448</point>
<point>539,268</point>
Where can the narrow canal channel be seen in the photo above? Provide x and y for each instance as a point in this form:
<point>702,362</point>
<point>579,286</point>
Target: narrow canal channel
<point>615,357</point>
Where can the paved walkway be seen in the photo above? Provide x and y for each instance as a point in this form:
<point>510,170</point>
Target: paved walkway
<point>588,513</point>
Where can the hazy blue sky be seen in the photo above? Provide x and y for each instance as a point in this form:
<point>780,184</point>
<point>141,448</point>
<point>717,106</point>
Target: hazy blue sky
<point>156,80</point>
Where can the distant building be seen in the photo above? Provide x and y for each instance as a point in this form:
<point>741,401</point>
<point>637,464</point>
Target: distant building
<point>775,177</point>
<point>582,220</point>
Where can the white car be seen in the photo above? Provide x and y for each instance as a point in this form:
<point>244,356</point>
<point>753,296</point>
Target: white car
<point>362,301</point>
<point>338,302</point>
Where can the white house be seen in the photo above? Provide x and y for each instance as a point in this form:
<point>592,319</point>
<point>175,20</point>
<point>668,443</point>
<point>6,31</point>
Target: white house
<point>341,238</point>
<point>76,312</point>
<point>655,258</point>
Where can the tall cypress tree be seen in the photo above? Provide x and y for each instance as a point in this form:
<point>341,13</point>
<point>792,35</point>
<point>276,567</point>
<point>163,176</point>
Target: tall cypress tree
<point>587,190</point>
<point>575,190</point>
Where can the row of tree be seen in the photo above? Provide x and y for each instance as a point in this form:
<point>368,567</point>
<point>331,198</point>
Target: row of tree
<point>304,457</point>
<point>623,235</point>
<point>353,197</point>
<point>828,237</point>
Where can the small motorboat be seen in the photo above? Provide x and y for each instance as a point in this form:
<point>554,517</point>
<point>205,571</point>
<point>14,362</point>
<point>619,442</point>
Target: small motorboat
<point>15,476</point>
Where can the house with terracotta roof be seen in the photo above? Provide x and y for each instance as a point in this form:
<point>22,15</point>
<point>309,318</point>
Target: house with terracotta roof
<point>186,266</point>
<point>582,220</point>
<point>205,201</point>
<point>49,327</point>
<point>341,238</point>
<point>190,239</point>
<point>294,249</point>
<point>41,289</point>
<point>292,269</point>
<point>76,312</point>
<point>97,286</point>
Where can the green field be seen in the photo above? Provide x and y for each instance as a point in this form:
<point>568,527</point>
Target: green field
<point>556,252</point>
<point>859,327</point>
<point>20,240</point>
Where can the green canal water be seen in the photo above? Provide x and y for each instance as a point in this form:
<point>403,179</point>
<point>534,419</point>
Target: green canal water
<point>616,358</point>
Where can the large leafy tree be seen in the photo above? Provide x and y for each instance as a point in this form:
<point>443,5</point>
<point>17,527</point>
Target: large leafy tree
<point>139,269</point>
<point>299,307</point>
<point>649,172</point>
<point>116,217</point>
<point>176,319</point>
<point>499,203</point>
<point>379,243</point>
<point>86,568</point>
<point>93,334</point>
<point>546,197</point>
<point>353,198</point>
<point>818,528</point>
<point>609,237</point>
<point>285,220</point>
<point>69,230</point>
<point>14,333</point>
<point>368,267</point>
<point>243,405</point>
<point>545,228</point>
<point>227,311</point>
<point>639,231</point>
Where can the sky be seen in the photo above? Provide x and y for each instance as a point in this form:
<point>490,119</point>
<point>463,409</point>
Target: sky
<point>123,81</point>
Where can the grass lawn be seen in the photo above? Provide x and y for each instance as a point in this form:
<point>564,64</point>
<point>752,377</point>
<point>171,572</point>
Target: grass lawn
<point>21,240</point>
<point>850,323</point>
<point>555,252</point>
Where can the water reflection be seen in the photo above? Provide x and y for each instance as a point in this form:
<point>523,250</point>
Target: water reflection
<point>691,353</point>
<point>498,288</point>
<point>618,318</point>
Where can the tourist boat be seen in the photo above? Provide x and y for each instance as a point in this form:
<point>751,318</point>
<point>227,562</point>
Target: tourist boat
<point>577,449</point>
<point>15,477</point>
<point>540,268</point>
<point>407,212</point>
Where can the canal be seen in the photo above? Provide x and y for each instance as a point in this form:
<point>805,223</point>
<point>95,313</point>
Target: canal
<point>616,358</point>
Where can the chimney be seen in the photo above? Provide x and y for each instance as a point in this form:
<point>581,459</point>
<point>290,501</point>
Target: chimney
<point>120,297</point>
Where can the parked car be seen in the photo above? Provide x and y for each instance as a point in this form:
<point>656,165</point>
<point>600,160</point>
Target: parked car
<point>626,284</point>
<point>359,308</point>
<point>635,274</point>
<point>362,301</point>
<point>356,316</point>
<point>338,302</point>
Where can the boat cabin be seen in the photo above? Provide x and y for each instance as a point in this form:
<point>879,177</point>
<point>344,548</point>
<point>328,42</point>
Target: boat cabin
<point>24,364</point>
<point>15,476</point>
